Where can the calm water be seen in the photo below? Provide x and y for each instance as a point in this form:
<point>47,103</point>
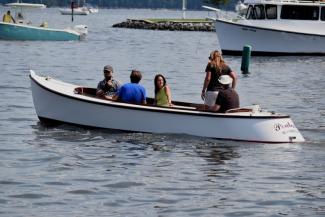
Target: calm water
<point>70,171</point>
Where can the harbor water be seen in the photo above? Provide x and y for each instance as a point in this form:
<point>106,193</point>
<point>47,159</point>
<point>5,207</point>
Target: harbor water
<point>72,171</point>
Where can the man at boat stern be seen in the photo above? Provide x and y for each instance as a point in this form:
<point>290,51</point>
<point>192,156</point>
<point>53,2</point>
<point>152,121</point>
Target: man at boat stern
<point>108,87</point>
<point>7,18</point>
<point>227,97</point>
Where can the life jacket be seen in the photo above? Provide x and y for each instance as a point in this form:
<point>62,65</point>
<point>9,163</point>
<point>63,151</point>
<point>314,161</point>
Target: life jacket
<point>7,18</point>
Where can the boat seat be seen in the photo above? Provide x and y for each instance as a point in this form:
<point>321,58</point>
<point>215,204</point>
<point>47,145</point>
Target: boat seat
<point>85,91</point>
<point>44,25</point>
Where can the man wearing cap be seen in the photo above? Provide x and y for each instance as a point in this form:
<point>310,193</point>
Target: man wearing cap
<point>227,97</point>
<point>108,87</point>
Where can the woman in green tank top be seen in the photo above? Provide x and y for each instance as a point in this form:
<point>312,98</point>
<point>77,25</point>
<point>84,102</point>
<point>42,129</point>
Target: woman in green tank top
<point>162,92</point>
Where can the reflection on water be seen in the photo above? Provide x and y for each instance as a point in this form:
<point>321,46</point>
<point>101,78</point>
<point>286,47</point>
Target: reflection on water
<point>218,155</point>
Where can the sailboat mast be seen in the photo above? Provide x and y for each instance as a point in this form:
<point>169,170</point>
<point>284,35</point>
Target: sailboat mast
<point>184,9</point>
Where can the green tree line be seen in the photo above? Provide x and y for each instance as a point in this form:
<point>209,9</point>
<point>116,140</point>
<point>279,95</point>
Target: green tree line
<point>169,4</point>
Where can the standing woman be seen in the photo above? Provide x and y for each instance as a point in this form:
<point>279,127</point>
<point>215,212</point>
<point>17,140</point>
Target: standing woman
<point>211,86</point>
<point>162,92</point>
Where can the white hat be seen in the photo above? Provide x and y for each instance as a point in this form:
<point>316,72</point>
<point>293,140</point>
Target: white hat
<point>225,79</point>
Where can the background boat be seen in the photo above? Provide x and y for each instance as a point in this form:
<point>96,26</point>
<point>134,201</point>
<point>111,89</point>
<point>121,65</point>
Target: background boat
<point>24,30</point>
<point>273,28</point>
<point>76,11</point>
<point>79,9</point>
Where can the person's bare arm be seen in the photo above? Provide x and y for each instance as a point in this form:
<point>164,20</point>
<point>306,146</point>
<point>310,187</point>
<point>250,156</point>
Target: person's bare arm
<point>169,95</point>
<point>233,75</point>
<point>214,108</point>
<point>205,84</point>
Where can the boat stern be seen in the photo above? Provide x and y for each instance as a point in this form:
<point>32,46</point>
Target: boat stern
<point>287,130</point>
<point>82,30</point>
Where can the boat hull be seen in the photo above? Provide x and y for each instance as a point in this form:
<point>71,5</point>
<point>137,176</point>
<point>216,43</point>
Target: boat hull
<point>9,31</point>
<point>76,11</point>
<point>265,41</point>
<point>69,107</point>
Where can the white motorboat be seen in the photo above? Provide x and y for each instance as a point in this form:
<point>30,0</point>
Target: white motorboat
<point>93,10</point>
<point>85,9</point>
<point>57,101</point>
<point>76,11</point>
<point>273,27</point>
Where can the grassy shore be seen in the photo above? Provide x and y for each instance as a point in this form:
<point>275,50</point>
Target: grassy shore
<point>175,20</point>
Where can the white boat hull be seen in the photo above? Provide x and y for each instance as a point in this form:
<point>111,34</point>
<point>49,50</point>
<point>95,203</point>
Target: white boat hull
<point>76,11</point>
<point>13,31</point>
<point>55,100</point>
<point>93,10</point>
<point>265,41</point>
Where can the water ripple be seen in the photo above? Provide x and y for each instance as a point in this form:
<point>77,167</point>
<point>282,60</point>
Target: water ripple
<point>123,185</point>
<point>5,182</point>
<point>29,196</point>
<point>81,192</point>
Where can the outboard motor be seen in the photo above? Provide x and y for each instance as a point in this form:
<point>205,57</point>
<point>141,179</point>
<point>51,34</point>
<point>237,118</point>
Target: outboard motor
<point>82,30</point>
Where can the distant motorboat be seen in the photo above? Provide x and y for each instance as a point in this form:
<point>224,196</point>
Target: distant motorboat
<point>273,27</point>
<point>93,10</point>
<point>24,30</point>
<point>76,11</point>
<point>85,9</point>
<point>59,102</point>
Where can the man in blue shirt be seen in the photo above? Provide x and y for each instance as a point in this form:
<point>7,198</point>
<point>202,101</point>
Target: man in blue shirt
<point>132,92</point>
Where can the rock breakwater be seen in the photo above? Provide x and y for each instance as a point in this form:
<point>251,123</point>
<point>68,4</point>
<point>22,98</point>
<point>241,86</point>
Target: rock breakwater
<point>171,25</point>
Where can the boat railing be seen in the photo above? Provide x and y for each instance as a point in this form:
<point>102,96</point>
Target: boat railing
<point>187,106</point>
<point>280,1</point>
<point>239,110</point>
<point>91,92</point>
<point>220,14</point>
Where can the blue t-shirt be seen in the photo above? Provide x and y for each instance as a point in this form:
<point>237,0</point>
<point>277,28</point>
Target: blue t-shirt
<point>132,93</point>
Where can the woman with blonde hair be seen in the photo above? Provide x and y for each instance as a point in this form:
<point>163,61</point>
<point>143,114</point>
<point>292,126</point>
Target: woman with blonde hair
<point>214,69</point>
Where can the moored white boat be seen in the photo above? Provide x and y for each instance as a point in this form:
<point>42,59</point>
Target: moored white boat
<point>76,11</point>
<point>273,27</point>
<point>57,101</point>
<point>93,10</point>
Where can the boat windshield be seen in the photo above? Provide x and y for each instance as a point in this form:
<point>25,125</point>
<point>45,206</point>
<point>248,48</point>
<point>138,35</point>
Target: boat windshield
<point>299,12</point>
<point>255,12</point>
<point>271,11</point>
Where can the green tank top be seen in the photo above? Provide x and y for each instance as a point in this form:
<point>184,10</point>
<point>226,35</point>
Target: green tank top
<point>161,97</point>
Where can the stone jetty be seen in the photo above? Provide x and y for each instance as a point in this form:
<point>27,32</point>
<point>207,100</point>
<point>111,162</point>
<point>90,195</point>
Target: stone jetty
<point>168,24</point>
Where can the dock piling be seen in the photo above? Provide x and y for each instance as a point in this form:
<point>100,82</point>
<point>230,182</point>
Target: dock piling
<point>246,59</point>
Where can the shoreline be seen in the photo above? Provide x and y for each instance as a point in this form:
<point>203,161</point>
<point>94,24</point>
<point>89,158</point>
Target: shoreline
<point>204,25</point>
